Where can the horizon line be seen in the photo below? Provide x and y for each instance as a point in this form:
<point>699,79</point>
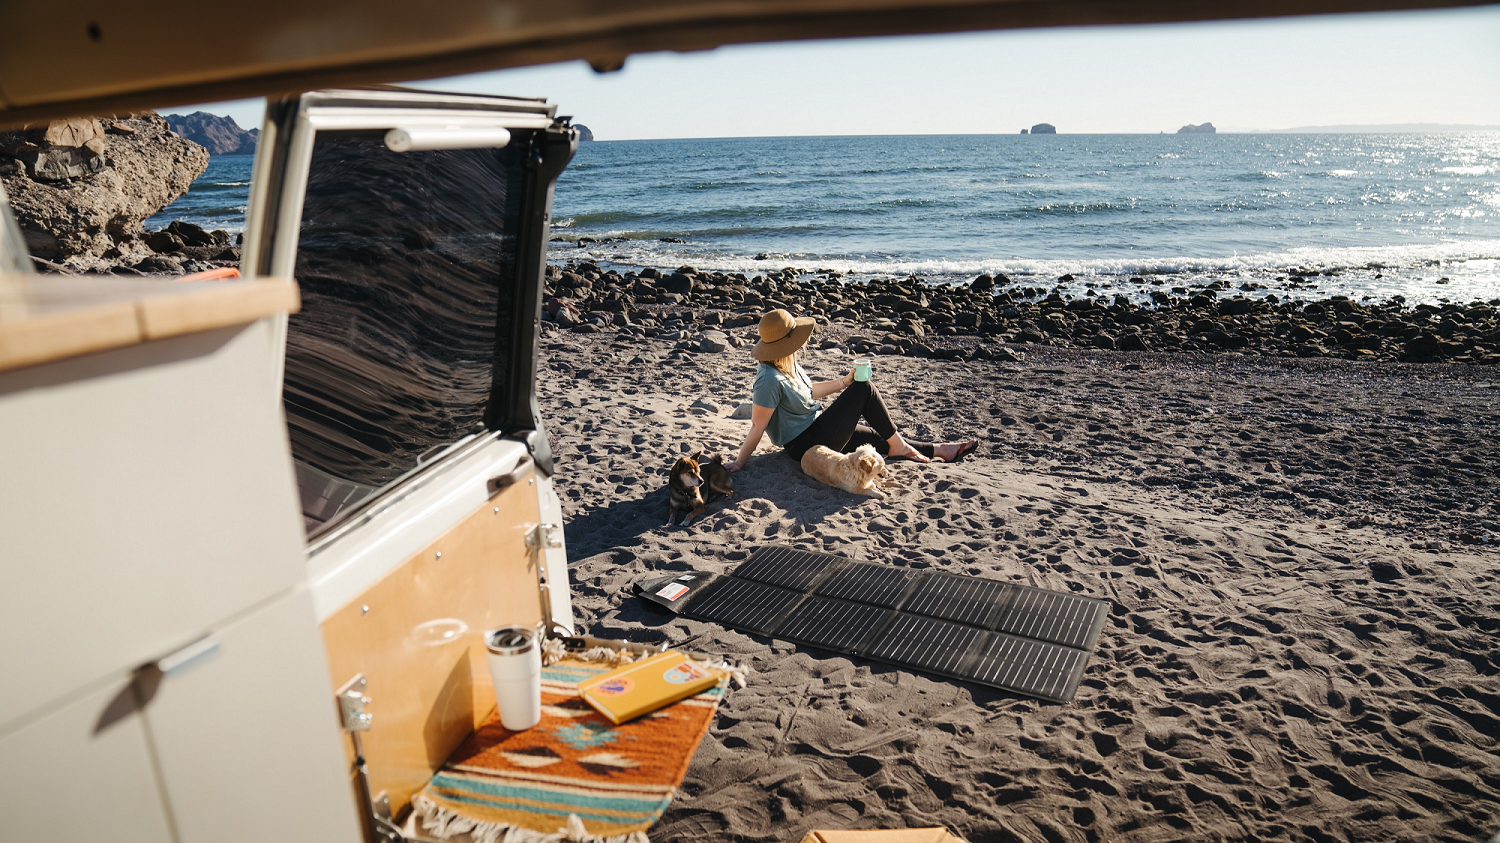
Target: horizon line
<point>1370,129</point>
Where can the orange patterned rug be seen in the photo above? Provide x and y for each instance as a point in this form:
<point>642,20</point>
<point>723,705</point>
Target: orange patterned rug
<point>574,776</point>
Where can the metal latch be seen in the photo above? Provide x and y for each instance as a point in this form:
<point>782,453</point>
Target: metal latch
<point>352,702</point>
<point>544,536</point>
<point>539,539</point>
<point>377,808</point>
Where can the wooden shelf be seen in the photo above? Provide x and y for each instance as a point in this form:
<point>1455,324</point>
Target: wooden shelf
<point>45,318</point>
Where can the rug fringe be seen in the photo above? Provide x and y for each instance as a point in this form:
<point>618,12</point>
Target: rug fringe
<point>554,651</point>
<point>445,823</point>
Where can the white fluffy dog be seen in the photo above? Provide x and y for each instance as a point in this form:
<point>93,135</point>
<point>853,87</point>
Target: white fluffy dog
<point>855,473</point>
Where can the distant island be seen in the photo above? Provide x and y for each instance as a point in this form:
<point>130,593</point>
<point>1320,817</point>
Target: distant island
<point>218,135</point>
<point>584,134</point>
<point>1200,129</point>
<point>1042,129</point>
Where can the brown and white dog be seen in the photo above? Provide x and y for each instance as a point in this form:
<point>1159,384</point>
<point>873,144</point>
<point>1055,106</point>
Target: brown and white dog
<point>686,490</point>
<point>856,473</point>
<point>691,477</point>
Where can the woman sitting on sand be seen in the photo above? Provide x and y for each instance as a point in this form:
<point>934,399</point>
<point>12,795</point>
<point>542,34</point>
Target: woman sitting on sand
<point>786,405</point>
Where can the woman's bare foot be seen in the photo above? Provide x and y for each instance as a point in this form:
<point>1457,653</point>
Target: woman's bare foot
<point>900,450</point>
<point>952,451</point>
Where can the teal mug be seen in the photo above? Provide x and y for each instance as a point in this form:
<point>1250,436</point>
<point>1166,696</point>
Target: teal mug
<point>862,369</point>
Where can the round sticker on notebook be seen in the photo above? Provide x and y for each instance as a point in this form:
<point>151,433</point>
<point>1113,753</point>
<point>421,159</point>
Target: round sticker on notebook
<point>684,673</point>
<point>613,687</point>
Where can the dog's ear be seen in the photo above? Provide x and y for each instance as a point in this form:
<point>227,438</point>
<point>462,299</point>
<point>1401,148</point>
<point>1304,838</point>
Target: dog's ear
<point>696,457</point>
<point>869,463</point>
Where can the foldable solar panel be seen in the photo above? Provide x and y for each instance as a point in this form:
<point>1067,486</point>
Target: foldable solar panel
<point>1032,641</point>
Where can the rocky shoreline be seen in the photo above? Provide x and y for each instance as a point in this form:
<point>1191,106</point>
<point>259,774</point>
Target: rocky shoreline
<point>995,319</point>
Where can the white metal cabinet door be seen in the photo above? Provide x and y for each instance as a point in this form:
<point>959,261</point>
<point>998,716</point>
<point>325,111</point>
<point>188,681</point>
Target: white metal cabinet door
<point>148,494</point>
<point>248,739</point>
<point>65,778</point>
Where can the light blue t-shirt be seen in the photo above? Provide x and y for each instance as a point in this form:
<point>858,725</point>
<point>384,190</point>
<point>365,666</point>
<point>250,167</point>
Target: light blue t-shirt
<point>791,398</point>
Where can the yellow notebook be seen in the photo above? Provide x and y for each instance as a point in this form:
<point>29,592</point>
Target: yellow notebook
<point>632,690</point>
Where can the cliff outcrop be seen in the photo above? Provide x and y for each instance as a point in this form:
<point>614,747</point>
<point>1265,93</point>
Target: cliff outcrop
<point>81,189</point>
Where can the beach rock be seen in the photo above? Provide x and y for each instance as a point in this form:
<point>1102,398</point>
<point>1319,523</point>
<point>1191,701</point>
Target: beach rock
<point>163,242</point>
<point>1132,342</point>
<point>983,285</point>
<point>742,412</point>
<point>94,219</point>
<point>677,283</point>
<point>157,264</point>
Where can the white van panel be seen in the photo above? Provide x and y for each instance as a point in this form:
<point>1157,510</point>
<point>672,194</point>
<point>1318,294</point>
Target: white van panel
<point>355,556</point>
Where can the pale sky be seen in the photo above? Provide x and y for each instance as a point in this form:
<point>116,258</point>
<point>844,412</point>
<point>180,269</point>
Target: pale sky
<point>1403,67</point>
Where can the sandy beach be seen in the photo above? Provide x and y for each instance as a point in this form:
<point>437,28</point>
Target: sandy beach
<point>1300,553</point>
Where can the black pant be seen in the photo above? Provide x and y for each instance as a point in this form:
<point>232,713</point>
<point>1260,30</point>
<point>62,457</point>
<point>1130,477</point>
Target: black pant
<point>838,426</point>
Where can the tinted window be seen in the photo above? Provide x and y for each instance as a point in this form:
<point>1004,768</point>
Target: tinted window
<point>406,262</point>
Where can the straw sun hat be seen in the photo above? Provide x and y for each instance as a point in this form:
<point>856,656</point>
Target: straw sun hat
<point>780,335</point>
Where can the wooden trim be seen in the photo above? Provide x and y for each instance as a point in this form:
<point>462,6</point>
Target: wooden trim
<point>40,339</point>
<point>36,328</point>
<point>217,306</point>
<point>416,635</point>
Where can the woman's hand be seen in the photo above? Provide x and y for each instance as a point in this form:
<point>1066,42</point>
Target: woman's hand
<point>733,465</point>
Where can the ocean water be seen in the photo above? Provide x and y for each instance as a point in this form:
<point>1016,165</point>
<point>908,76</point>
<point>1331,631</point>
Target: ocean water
<point>1357,214</point>
<point>219,198</point>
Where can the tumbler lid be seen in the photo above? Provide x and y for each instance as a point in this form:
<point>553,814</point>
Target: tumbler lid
<point>510,640</point>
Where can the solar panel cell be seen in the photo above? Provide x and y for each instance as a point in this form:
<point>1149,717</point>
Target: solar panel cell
<point>1051,616</point>
<point>745,605</point>
<point>926,643</point>
<point>969,600</point>
<point>878,585</point>
<point>834,624</point>
<point>787,567</point>
<point>1032,667</point>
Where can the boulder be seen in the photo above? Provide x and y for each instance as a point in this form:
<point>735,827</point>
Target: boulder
<point>678,283</point>
<point>95,217</point>
<point>74,133</point>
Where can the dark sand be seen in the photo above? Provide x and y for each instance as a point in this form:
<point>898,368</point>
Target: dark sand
<point>1300,554</point>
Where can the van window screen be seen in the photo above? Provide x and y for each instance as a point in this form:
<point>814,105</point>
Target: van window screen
<point>406,263</point>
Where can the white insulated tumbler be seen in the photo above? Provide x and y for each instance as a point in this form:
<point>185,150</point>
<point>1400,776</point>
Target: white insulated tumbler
<point>516,672</point>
